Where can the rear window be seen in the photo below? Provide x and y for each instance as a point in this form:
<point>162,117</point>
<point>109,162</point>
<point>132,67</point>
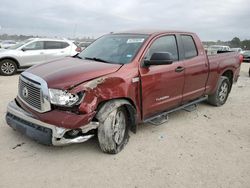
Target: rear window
<point>189,46</point>
<point>55,45</point>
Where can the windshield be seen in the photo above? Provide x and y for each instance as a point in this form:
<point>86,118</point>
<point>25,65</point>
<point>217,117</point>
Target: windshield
<point>116,48</point>
<point>19,44</point>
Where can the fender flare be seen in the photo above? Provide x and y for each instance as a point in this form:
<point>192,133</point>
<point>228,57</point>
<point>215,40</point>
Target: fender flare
<point>11,58</point>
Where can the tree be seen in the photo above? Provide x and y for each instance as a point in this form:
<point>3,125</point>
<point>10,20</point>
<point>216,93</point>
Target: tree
<point>235,42</point>
<point>245,44</point>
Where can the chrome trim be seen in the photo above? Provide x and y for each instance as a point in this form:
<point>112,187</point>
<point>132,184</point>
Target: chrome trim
<point>45,100</point>
<point>57,132</point>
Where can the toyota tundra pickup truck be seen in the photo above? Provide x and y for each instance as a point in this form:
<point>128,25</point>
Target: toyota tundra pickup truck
<point>119,81</point>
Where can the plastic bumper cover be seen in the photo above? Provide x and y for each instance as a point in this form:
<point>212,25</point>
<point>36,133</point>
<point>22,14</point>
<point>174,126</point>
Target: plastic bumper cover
<point>42,132</point>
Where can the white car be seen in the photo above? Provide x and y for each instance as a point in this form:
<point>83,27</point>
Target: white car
<point>212,50</point>
<point>84,45</point>
<point>34,51</point>
<point>237,50</point>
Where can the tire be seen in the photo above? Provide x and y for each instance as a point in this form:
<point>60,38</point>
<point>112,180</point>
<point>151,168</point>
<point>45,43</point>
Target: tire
<point>113,131</point>
<point>8,67</point>
<point>221,94</point>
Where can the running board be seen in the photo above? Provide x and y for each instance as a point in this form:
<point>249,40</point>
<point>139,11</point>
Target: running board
<point>190,108</point>
<point>163,117</point>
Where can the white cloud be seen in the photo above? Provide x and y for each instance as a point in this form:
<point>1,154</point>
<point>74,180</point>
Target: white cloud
<point>212,20</point>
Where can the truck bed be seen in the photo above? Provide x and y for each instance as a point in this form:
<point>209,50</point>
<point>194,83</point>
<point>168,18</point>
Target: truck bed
<point>219,63</point>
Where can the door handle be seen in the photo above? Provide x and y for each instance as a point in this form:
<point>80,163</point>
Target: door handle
<point>179,69</point>
<point>41,53</point>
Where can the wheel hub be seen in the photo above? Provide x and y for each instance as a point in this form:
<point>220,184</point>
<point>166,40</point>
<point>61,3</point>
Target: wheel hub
<point>119,127</point>
<point>223,92</point>
<point>7,68</point>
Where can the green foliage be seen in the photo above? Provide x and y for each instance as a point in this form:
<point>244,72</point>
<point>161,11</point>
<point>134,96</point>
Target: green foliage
<point>235,42</point>
<point>245,44</point>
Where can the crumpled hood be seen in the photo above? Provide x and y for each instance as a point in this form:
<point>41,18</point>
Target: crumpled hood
<point>68,72</point>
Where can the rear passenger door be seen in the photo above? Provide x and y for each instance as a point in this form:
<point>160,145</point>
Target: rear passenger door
<point>55,50</point>
<point>196,68</point>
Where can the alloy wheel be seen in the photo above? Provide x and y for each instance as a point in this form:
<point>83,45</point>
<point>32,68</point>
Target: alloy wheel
<point>7,67</point>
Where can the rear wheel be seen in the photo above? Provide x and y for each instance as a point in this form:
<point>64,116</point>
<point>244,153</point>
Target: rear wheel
<point>8,67</point>
<point>113,131</point>
<point>220,96</point>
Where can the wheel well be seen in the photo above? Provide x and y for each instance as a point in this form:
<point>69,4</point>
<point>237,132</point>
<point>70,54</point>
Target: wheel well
<point>13,59</point>
<point>229,74</point>
<point>132,117</point>
<point>129,106</point>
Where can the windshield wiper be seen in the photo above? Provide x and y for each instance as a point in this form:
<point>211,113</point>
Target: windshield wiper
<point>76,56</point>
<point>97,59</point>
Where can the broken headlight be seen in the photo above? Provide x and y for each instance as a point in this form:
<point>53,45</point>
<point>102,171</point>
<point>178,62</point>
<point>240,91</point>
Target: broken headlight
<point>64,98</point>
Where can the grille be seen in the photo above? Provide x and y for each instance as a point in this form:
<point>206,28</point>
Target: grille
<point>30,92</point>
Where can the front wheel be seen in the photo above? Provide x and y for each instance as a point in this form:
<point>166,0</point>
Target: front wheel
<point>113,131</point>
<point>221,94</point>
<point>8,67</point>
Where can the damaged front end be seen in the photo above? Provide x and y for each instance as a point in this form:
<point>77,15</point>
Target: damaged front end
<point>46,115</point>
<point>46,133</point>
<point>62,116</point>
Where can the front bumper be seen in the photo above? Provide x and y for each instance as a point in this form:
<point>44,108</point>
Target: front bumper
<point>42,132</point>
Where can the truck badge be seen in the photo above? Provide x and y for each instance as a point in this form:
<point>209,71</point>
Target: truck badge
<point>25,92</point>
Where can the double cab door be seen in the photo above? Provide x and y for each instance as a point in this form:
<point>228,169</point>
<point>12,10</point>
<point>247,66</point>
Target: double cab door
<point>163,86</point>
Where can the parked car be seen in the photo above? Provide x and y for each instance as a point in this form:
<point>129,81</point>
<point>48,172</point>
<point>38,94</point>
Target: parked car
<point>236,50</point>
<point>34,51</point>
<point>7,43</point>
<point>119,81</point>
<point>214,49</point>
<point>84,45</point>
<point>246,56</point>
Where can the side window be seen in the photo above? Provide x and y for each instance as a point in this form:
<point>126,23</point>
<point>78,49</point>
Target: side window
<point>164,44</point>
<point>64,44</point>
<point>55,45</point>
<point>189,46</point>
<point>35,46</point>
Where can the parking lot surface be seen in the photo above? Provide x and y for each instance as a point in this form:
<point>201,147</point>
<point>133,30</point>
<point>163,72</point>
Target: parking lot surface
<point>209,147</point>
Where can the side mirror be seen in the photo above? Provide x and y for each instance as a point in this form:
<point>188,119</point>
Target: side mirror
<point>24,49</point>
<point>159,58</point>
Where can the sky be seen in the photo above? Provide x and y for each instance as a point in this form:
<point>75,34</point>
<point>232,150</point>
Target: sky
<point>210,19</point>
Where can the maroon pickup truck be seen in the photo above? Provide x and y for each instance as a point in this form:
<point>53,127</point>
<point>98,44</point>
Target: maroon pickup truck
<point>117,82</point>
